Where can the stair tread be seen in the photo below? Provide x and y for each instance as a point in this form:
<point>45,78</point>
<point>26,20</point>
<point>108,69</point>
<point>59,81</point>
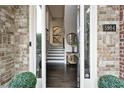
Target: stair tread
<point>50,55</point>
<point>55,60</point>
<point>55,52</point>
<point>55,49</point>
<point>55,55</point>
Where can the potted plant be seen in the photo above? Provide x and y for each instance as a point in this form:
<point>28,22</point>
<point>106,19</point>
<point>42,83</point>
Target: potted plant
<point>23,80</point>
<point>110,81</point>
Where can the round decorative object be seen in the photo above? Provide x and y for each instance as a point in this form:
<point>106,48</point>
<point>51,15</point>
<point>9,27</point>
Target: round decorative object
<point>110,81</point>
<point>24,80</point>
<point>72,39</point>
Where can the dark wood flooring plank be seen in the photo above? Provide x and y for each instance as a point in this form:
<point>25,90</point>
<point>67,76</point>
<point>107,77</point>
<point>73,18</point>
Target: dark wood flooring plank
<point>60,77</point>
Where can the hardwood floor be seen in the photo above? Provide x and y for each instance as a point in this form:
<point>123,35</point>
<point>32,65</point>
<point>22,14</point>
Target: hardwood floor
<point>61,76</point>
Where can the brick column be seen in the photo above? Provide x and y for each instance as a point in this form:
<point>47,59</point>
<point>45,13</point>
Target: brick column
<point>121,72</point>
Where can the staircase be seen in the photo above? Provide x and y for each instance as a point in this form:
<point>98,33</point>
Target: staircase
<point>55,55</point>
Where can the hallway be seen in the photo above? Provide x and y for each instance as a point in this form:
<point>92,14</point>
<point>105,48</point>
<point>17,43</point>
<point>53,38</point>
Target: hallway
<point>60,77</point>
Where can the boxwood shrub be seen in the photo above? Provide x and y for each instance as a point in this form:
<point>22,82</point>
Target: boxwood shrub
<point>110,81</point>
<point>23,80</point>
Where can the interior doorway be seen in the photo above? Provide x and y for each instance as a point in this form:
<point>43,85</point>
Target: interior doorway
<point>62,46</point>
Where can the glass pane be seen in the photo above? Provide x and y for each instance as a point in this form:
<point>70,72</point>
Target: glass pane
<point>87,41</point>
<point>38,54</point>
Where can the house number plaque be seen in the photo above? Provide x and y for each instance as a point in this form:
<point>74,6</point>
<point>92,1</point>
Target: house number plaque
<point>109,27</point>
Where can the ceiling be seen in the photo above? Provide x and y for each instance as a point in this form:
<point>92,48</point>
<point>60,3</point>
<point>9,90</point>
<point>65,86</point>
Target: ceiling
<point>57,11</point>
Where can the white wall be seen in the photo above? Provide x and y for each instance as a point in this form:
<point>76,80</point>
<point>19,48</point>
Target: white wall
<point>70,22</point>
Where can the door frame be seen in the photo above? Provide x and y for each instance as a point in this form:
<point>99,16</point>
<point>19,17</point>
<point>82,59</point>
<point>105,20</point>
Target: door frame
<point>92,82</point>
<point>93,45</point>
<point>32,38</point>
<point>43,13</point>
<point>81,46</point>
<point>34,25</point>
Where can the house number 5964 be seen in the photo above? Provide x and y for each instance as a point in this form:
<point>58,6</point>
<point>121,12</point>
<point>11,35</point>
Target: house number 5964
<point>109,27</point>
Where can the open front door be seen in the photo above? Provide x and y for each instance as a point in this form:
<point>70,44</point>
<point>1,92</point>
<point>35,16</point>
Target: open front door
<point>37,44</point>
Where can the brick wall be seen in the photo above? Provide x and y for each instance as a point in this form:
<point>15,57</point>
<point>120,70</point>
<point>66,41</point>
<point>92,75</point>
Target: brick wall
<point>7,29</point>
<point>13,41</point>
<point>21,38</point>
<point>108,42</point>
<point>121,74</point>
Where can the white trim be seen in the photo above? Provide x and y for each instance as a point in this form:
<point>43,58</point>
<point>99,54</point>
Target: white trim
<point>32,39</point>
<point>39,83</point>
<point>43,46</point>
<point>93,45</point>
<point>87,81</point>
<point>82,46</point>
<point>30,35</point>
<point>38,25</point>
<point>33,27</point>
<point>92,82</point>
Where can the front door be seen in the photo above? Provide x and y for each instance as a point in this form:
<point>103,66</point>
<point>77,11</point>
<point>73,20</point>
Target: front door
<point>38,45</point>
